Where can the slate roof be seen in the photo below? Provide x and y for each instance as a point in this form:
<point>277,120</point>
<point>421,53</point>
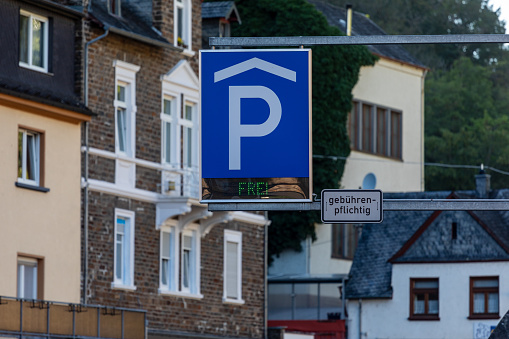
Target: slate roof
<point>135,22</point>
<point>25,91</point>
<point>382,245</point>
<point>362,25</point>
<point>220,9</point>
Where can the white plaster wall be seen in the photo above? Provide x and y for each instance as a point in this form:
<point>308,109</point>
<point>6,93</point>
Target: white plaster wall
<point>398,86</point>
<point>388,318</point>
<point>36,223</point>
<point>321,261</point>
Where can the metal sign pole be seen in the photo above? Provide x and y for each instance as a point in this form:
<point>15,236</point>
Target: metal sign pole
<point>388,205</point>
<point>358,40</point>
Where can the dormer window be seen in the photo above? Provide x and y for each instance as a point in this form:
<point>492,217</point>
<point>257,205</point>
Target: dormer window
<point>115,7</point>
<point>183,23</point>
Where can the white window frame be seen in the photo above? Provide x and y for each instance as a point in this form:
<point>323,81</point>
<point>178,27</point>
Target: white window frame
<point>172,119</point>
<point>170,286</point>
<point>233,237</point>
<point>23,262</point>
<point>187,35</point>
<point>24,157</point>
<point>192,124</point>
<point>175,287</point>
<point>115,7</point>
<point>194,269</point>
<point>125,75</point>
<point>44,46</point>
<point>126,282</point>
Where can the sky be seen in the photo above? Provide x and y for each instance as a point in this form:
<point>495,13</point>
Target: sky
<point>504,5</point>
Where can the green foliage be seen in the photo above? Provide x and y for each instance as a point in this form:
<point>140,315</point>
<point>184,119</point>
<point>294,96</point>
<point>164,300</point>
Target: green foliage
<point>430,17</point>
<point>335,72</point>
<point>466,123</point>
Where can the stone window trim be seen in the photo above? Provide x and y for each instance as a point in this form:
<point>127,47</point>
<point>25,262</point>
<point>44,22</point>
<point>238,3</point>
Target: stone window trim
<point>232,270</point>
<point>429,293</point>
<point>27,44</point>
<point>486,286</point>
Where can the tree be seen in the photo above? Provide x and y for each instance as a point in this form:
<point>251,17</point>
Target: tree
<point>432,17</point>
<point>466,124</point>
<point>335,73</point>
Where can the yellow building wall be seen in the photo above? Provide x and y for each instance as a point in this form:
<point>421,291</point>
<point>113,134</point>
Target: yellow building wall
<point>398,86</point>
<point>37,223</point>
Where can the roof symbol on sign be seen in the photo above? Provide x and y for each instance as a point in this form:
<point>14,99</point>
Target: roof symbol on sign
<point>255,63</point>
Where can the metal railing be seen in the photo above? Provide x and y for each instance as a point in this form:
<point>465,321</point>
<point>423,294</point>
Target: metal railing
<point>23,318</point>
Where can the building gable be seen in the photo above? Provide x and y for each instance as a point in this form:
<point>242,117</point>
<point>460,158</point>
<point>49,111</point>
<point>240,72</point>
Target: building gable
<point>452,236</point>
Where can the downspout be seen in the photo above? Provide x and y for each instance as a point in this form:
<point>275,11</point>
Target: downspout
<point>422,128</point>
<point>360,318</point>
<point>85,198</point>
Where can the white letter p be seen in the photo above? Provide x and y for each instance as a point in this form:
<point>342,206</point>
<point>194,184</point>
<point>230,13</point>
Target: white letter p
<point>237,130</point>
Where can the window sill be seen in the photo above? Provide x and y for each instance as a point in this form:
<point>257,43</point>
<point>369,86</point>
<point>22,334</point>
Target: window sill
<point>32,187</point>
<point>483,316</point>
<point>180,294</point>
<point>188,52</point>
<point>118,286</point>
<point>424,318</point>
<point>233,301</point>
<point>35,68</point>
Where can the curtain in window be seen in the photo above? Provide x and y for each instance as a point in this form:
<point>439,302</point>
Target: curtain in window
<point>419,304</point>
<point>121,129</point>
<point>479,303</point>
<point>31,157</point>
<point>232,274</point>
<point>23,39</point>
<point>165,262</point>
<point>119,243</point>
<point>493,303</point>
<point>167,142</point>
<point>37,43</point>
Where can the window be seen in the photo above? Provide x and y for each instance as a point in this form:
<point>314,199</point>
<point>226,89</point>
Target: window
<point>232,290</point>
<point>168,118</point>
<point>29,157</point>
<point>125,107</point>
<point>180,261</point>
<point>33,41</point>
<point>344,241</point>
<point>30,274</point>
<point>115,7</point>
<point>124,250</point>
<point>484,298</point>
<point>188,264</point>
<point>424,299</point>
<point>375,130</point>
<point>167,260</point>
<point>183,23</point>
<point>189,136</point>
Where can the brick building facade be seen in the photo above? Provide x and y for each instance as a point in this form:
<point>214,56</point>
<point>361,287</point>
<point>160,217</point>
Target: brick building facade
<point>147,242</point>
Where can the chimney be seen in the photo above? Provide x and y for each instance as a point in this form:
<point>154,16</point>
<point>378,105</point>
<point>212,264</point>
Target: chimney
<point>482,184</point>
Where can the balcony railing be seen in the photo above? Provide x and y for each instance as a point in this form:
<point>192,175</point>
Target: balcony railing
<point>47,319</point>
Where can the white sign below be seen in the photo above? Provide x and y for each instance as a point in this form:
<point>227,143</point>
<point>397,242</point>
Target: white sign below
<point>351,206</point>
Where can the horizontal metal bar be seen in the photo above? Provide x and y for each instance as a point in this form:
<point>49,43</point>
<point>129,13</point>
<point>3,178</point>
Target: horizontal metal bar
<point>388,205</point>
<point>358,40</point>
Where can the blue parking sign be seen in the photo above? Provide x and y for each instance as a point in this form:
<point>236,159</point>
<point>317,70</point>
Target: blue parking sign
<point>256,124</point>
